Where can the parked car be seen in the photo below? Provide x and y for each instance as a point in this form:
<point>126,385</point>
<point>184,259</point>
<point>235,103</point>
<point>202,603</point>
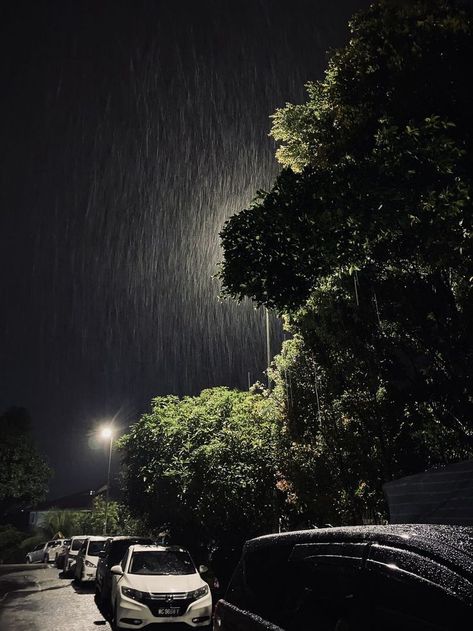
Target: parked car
<point>44,552</point>
<point>72,552</point>
<point>157,584</point>
<point>409,577</point>
<point>87,559</point>
<point>61,553</point>
<point>113,552</point>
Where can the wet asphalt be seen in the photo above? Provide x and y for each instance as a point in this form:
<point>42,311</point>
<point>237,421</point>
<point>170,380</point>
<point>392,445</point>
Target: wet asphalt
<point>41,600</point>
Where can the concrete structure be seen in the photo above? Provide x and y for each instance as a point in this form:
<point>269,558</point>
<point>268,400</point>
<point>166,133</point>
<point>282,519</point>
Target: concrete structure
<point>438,496</point>
<point>76,503</point>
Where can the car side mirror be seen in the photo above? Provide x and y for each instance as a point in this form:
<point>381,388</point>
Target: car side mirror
<point>102,554</point>
<point>116,569</point>
<point>203,569</point>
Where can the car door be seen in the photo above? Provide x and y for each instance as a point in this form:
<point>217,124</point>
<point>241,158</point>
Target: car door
<point>115,579</point>
<point>37,554</point>
<point>80,559</point>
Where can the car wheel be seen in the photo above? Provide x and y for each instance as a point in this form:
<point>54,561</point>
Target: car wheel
<point>113,621</point>
<point>101,604</point>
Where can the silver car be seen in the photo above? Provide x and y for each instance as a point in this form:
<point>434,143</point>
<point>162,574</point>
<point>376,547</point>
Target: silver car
<point>44,552</point>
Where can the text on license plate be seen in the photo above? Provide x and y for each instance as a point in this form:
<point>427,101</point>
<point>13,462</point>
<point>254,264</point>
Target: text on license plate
<point>168,611</point>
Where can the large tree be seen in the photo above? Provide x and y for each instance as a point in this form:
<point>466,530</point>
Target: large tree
<point>365,242</point>
<point>204,467</point>
<point>24,474</point>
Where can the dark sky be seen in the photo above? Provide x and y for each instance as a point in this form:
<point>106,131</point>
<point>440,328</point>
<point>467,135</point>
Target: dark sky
<point>129,132</point>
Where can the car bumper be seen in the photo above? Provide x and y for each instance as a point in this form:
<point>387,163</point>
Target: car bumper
<point>198,614</point>
<point>89,575</point>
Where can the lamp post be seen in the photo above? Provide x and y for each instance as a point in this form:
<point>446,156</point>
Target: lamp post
<point>268,346</point>
<point>107,434</point>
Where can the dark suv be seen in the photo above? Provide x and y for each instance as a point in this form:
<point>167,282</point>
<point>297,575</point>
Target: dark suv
<point>113,552</point>
<point>417,577</point>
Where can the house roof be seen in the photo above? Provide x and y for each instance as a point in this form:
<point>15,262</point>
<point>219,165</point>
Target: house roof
<point>76,501</point>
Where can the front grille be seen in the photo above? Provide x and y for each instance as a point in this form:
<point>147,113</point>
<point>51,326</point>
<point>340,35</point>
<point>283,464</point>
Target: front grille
<point>167,626</point>
<point>165,595</point>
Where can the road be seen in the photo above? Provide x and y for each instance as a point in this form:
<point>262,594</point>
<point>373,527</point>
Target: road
<point>39,600</point>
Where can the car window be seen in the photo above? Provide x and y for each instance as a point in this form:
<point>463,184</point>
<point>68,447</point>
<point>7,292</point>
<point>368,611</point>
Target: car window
<point>337,593</point>
<point>118,551</point>
<point>77,544</point>
<point>95,547</point>
<point>161,562</point>
<point>39,547</point>
<point>119,548</point>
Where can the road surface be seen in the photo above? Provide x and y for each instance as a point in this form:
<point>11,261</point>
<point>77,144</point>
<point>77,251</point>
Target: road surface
<point>39,600</point>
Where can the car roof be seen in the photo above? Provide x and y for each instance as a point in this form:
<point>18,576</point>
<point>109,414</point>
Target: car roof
<point>97,538</point>
<point>461,536</point>
<point>154,548</point>
<point>131,540</point>
<point>454,544</point>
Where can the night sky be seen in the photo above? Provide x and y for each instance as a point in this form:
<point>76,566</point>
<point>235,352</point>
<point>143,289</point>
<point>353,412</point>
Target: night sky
<point>129,132</point>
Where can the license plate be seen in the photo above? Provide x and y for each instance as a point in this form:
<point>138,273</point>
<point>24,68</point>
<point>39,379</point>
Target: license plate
<point>168,611</point>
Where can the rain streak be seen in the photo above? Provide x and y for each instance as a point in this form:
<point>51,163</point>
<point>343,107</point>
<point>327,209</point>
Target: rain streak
<point>137,138</point>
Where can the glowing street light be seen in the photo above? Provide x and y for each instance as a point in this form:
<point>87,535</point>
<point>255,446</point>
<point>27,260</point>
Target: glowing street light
<point>107,434</point>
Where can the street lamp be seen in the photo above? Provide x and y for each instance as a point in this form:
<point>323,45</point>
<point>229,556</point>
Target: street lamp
<point>107,434</point>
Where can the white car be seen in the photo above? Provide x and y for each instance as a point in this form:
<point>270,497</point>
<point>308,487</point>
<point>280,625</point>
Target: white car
<point>86,560</point>
<point>44,552</point>
<point>72,552</point>
<point>157,584</point>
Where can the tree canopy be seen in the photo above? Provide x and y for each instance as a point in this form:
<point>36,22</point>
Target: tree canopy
<point>23,472</point>
<point>377,164</point>
<point>204,467</point>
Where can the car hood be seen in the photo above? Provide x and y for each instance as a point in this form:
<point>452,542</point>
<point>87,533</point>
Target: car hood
<point>164,584</point>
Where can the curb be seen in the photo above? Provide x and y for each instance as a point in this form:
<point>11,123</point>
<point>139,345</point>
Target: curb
<point>21,567</point>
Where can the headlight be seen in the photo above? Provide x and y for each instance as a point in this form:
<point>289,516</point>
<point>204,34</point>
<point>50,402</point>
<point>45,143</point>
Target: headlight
<point>89,564</point>
<point>198,593</point>
<point>134,594</point>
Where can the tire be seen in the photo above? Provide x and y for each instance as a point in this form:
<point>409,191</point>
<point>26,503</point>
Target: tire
<point>102,606</point>
<point>113,621</point>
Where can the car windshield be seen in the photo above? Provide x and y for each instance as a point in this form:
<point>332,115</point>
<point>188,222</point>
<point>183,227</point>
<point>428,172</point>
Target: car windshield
<point>77,543</point>
<point>161,562</point>
<point>120,547</point>
<point>95,547</point>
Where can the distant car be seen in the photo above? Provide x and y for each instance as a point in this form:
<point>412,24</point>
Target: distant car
<point>61,554</point>
<point>114,550</point>
<point>44,552</point>
<point>72,552</point>
<point>409,577</point>
<point>156,585</point>
<point>87,559</point>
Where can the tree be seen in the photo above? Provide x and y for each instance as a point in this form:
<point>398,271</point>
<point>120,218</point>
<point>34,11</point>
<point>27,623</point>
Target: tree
<point>65,522</point>
<point>377,163</point>
<point>365,242</point>
<point>204,467</point>
<point>23,472</point>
